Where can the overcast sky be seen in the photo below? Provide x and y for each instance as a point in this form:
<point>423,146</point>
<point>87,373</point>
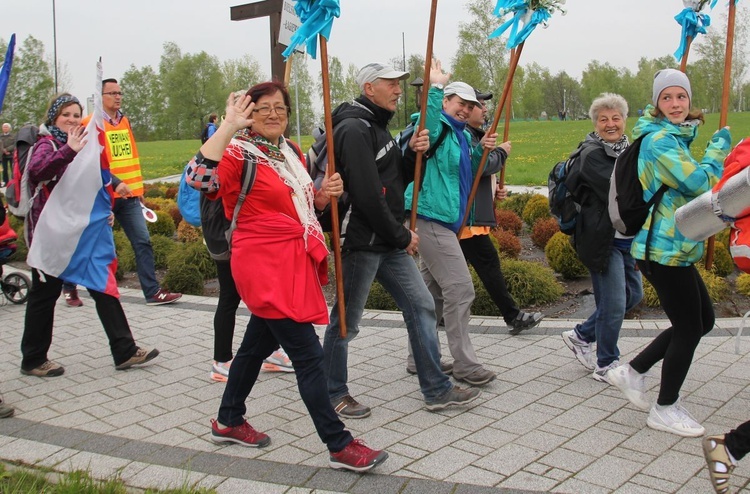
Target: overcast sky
<point>133,32</point>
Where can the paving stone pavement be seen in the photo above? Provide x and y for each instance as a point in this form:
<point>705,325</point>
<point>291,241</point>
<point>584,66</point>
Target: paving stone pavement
<point>543,426</point>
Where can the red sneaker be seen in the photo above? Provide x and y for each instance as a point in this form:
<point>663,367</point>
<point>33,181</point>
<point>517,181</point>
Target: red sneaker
<point>356,456</point>
<point>242,434</point>
<point>163,297</point>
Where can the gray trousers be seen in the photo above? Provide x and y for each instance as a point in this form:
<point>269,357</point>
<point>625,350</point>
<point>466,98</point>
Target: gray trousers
<point>446,274</point>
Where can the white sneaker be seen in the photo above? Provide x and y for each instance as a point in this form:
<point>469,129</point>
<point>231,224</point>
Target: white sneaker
<point>278,361</point>
<point>220,371</point>
<point>631,383</point>
<point>675,419</point>
<point>581,349</point>
<point>600,373</point>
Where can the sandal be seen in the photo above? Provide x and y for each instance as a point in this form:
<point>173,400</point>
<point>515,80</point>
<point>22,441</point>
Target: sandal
<point>719,464</point>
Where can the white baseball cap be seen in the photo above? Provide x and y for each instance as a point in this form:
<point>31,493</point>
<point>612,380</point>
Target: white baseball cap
<point>373,71</point>
<point>462,90</point>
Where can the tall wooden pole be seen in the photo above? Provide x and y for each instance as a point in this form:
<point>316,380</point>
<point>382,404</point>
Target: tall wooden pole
<point>506,92</point>
<point>330,170</point>
<point>422,113</point>
<point>683,61</point>
<point>724,102</point>
<point>506,130</point>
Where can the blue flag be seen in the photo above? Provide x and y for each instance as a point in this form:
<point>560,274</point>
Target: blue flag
<point>5,69</point>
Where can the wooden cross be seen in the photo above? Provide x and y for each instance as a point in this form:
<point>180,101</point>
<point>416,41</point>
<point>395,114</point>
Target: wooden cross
<point>272,10</point>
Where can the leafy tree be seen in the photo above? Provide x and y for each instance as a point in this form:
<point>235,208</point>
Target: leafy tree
<point>31,84</point>
<point>241,73</point>
<point>300,91</point>
<point>141,87</point>
<point>529,90</point>
<point>600,78</point>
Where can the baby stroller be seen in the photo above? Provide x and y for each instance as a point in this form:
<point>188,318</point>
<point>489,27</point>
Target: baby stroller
<point>15,286</point>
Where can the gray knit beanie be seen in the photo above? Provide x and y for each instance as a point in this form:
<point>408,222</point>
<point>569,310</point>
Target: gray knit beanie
<point>667,78</point>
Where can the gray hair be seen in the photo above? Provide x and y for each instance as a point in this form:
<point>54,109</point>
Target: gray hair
<point>608,101</point>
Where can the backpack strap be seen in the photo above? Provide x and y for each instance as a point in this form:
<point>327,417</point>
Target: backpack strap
<point>249,170</point>
<point>655,201</point>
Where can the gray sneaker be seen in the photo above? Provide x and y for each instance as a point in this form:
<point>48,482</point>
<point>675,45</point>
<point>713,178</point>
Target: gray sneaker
<point>350,408</point>
<point>456,396</point>
<point>478,377</point>
<point>524,321</point>
<point>581,349</point>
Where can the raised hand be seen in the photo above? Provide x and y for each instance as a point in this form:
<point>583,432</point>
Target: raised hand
<point>77,137</point>
<point>238,112</point>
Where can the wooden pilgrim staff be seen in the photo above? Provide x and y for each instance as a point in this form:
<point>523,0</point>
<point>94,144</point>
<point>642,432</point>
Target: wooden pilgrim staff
<point>422,114</point>
<point>506,130</point>
<point>506,91</point>
<point>724,102</point>
<point>330,170</point>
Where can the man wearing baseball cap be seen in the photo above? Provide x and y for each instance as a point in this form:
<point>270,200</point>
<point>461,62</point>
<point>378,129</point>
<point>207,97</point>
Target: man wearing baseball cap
<point>442,203</point>
<point>377,245</point>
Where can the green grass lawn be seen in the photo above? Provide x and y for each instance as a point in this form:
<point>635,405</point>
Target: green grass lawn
<point>537,146</point>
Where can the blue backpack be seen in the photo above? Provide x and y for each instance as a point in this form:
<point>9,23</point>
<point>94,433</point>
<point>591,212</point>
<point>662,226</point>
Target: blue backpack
<point>188,201</point>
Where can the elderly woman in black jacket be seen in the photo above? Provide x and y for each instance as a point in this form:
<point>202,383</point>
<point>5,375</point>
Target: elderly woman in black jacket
<point>603,250</point>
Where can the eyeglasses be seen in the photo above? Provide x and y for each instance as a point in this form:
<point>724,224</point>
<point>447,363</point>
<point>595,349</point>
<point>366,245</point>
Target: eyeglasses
<point>265,111</point>
<point>114,93</point>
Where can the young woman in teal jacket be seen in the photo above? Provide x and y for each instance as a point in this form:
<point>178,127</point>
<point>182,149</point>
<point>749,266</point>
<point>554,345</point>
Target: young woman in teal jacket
<point>669,128</point>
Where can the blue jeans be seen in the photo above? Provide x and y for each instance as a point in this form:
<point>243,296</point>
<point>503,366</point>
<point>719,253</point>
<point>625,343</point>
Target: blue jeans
<point>398,274</point>
<point>302,344</point>
<point>617,290</point>
<point>128,214</point>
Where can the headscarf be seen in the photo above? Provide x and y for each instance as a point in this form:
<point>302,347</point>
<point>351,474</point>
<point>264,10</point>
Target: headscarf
<point>59,102</point>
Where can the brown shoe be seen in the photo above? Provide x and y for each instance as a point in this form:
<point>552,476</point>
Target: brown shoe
<point>47,369</point>
<point>6,410</point>
<point>350,408</point>
<point>478,377</point>
<point>142,355</point>
<point>71,298</point>
<point>446,367</point>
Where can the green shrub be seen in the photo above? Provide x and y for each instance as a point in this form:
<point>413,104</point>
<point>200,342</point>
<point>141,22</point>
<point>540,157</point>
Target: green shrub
<point>125,254</point>
<point>184,278</point>
<point>507,243</point>
<point>171,192</point>
<point>650,298</point>
<point>21,249</point>
<point>164,247</point>
<point>562,258</point>
<point>723,264</point>
<point>516,202</point>
<point>196,255</point>
<point>153,191</point>
<point>536,208</point>
<point>543,230</point>
<point>15,222</point>
<point>723,237</point>
<point>508,220</point>
<point>743,284</point>
<point>188,233</point>
<point>379,299</point>
<point>164,225</point>
<point>530,283</point>
<point>174,212</point>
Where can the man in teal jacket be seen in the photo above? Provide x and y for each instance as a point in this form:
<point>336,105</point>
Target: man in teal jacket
<point>442,203</point>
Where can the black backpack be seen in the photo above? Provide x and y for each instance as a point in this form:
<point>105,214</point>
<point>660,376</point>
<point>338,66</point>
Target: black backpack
<point>204,134</point>
<point>627,209</point>
<point>403,138</point>
<point>562,204</point>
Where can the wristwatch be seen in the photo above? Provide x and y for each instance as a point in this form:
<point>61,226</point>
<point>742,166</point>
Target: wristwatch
<point>437,85</point>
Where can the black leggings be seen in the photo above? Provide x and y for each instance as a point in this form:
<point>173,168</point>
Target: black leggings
<point>226,310</point>
<point>685,300</point>
<point>738,441</point>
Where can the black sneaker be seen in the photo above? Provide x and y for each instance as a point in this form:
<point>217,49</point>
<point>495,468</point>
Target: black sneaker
<point>456,396</point>
<point>524,321</point>
<point>350,408</point>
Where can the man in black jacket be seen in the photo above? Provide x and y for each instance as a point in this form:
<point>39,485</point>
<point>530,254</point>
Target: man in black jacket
<point>377,245</point>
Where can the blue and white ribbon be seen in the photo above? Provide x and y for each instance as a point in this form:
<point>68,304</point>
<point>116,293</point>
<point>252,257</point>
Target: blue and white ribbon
<point>693,23</point>
<point>527,15</point>
<point>317,18</point>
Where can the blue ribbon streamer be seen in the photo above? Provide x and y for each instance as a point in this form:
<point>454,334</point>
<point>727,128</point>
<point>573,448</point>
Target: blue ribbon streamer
<point>317,18</point>
<point>693,23</point>
<point>5,68</point>
<point>518,32</point>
